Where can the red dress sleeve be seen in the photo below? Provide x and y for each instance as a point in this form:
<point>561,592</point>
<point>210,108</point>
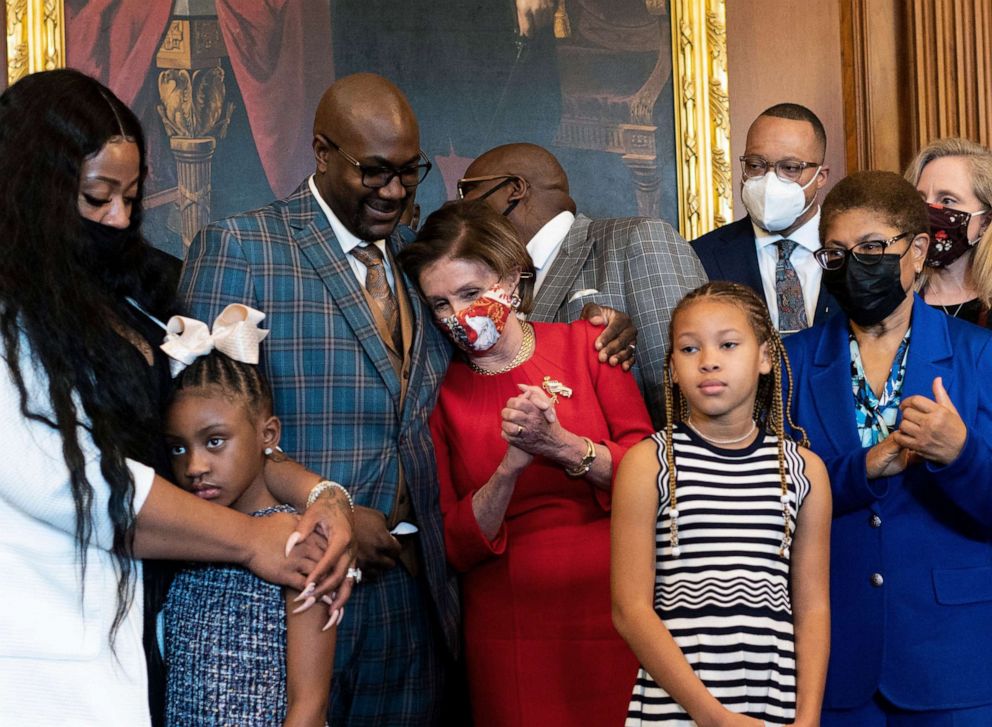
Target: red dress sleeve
<point>622,404</point>
<point>464,542</point>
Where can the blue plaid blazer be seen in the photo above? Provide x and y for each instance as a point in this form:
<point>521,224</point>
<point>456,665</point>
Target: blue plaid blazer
<point>335,390</point>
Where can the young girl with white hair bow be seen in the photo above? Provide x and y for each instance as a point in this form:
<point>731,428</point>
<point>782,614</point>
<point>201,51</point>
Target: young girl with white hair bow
<point>236,648</point>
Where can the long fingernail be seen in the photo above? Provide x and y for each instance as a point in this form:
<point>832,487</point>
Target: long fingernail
<point>293,539</point>
<point>340,615</point>
<point>330,621</point>
<point>329,600</point>
<point>305,592</point>
<point>306,604</point>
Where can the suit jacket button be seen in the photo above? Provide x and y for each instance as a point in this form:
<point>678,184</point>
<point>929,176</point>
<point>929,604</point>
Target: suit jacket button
<point>875,521</point>
<point>877,580</point>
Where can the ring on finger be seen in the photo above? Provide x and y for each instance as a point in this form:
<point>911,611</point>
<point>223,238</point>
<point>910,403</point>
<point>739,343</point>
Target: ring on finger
<point>356,574</point>
<point>632,346</point>
<point>520,429</point>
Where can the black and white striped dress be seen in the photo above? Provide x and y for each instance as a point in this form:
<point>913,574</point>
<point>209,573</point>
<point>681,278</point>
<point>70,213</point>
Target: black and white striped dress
<point>725,599</point>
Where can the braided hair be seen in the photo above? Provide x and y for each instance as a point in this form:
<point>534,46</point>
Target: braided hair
<point>236,379</point>
<point>771,413</point>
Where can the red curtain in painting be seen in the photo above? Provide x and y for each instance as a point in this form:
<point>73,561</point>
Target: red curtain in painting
<point>280,51</point>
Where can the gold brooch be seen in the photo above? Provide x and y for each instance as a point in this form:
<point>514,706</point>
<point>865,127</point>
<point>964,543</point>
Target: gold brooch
<point>554,388</point>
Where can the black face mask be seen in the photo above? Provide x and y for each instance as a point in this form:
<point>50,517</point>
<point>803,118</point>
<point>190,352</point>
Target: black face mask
<point>107,244</point>
<point>867,293</point>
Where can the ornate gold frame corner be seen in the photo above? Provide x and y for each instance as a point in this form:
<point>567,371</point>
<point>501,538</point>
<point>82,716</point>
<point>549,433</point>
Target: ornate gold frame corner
<point>702,115</point>
<point>35,36</point>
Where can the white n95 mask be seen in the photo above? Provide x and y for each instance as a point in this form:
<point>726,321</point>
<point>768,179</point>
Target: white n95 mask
<point>773,204</point>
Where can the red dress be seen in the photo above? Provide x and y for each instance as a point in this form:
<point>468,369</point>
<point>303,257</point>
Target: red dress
<point>540,644</point>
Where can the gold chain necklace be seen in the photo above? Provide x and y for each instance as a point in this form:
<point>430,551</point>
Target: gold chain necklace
<point>525,352</point>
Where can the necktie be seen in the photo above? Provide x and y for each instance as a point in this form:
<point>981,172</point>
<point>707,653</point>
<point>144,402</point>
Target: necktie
<point>378,287</point>
<point>788,291</point>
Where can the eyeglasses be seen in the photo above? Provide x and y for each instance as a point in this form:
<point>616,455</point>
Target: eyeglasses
<point>868,252</point>
<point>788,170</point>
<point>465,184</point>
<point>377,176</point>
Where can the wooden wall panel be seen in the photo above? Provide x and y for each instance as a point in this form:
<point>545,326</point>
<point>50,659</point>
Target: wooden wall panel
<point>3,44</point>
<point>796,58</point>
<point>953,68</point>
<point>914,71</point>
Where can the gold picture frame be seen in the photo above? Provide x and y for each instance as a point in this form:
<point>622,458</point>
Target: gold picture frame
<point>35,32</point>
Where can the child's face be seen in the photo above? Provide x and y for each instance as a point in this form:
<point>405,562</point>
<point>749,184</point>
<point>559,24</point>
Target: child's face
<point>716,358</point>
<point>217,448</point>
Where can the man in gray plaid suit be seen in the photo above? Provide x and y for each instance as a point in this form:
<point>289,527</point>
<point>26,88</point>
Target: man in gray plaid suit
<point>634,264</point>
<point>355,364</point>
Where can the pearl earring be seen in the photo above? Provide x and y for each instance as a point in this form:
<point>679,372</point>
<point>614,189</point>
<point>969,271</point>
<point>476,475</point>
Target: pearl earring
<point>267,451</point>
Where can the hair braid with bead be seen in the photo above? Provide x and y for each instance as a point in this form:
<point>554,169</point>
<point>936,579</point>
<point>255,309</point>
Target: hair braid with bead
<point>771,412</point>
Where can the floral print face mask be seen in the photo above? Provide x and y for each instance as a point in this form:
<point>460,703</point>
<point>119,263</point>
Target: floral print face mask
<point>949,228</point>
<point>477,327</point>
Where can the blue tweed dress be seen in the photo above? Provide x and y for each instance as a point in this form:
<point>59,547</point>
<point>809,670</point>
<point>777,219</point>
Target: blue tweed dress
<point>225,647</point>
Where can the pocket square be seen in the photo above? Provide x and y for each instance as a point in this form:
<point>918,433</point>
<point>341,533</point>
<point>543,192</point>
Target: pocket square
<point>582,293</point>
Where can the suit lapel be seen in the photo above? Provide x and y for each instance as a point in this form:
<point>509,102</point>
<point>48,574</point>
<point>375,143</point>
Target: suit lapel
<point>739,258</point>
<point>313,234</point>
<point>929,352</point>
<point>830,388</point>
<point>572,255</point>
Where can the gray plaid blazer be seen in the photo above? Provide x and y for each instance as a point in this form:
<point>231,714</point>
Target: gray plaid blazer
<point>634,264</point>
<point>335,390</point>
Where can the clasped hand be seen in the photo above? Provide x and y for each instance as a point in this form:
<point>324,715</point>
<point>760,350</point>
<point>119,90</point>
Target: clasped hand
<point>530,422</point>
<point>930,429</point>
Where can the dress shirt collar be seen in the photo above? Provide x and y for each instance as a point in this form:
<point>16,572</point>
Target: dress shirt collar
<point>807,236</point>
<point>544,245</point>
<point>345,238</point>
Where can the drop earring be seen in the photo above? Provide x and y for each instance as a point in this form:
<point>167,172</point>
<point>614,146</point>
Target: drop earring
<point>515,301</point>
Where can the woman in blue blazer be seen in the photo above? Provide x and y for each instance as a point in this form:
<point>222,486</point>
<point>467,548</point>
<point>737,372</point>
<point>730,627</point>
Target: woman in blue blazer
<point>895,397</point>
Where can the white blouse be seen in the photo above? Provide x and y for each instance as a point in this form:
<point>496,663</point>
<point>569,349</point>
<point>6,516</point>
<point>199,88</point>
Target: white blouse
<point>57,664</point>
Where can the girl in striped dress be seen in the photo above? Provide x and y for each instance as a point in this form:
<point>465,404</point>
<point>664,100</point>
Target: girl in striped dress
<point>720,533</point>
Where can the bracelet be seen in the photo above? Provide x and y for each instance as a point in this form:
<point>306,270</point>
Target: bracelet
<point>323,486</point>
<point>585,464</point>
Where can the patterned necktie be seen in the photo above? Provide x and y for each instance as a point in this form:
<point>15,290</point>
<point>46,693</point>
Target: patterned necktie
<point>378,287</point>
<point>788,291</point>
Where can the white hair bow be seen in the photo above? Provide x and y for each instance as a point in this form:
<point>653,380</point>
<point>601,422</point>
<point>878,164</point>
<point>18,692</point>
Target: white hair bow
<point>235,333</point>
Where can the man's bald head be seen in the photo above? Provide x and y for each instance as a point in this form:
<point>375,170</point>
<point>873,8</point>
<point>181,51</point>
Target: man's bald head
<point>366,119</point>
<point>536,192</point>
<point>353,102</point>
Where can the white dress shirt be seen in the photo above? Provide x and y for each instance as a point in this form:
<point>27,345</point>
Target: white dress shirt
<point>545,244</point>
<point>348,242</point>
<point>809,271</point>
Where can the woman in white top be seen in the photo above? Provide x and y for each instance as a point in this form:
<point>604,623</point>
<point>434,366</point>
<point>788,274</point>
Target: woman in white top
<point>80,379</point>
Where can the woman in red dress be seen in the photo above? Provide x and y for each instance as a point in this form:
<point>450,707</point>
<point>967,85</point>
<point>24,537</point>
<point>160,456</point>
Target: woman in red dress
<point>529,428</point>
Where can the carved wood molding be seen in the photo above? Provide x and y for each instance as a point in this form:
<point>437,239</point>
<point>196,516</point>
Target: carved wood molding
<point>35,31</point>
<point>702,115</point>
<point>953,61</point>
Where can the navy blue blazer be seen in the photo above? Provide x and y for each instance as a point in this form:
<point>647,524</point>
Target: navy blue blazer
<point>922,633</point>
<point>728,253</point>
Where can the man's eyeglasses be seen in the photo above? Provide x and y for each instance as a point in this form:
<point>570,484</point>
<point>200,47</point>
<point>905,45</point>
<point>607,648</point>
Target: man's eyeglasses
<point>377,176</point>
<point>867,253</point>
<point>788,170</point>
<point>466,184</point>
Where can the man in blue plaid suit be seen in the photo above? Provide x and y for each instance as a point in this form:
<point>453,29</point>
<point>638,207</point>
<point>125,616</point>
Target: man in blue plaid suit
<point>638,265</point>
<point>354,382</point>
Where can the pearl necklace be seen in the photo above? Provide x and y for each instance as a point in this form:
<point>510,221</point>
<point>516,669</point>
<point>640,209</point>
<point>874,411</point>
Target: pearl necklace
<point>525,352</point>
<point>738,440</point>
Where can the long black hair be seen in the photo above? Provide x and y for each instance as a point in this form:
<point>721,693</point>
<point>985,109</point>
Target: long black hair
<point>67,311</point>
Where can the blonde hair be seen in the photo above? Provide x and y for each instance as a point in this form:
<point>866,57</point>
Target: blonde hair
<point>771,412</point>
<point>979,160</point>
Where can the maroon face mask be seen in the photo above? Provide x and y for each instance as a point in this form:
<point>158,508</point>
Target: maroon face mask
<point>949,229</point>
